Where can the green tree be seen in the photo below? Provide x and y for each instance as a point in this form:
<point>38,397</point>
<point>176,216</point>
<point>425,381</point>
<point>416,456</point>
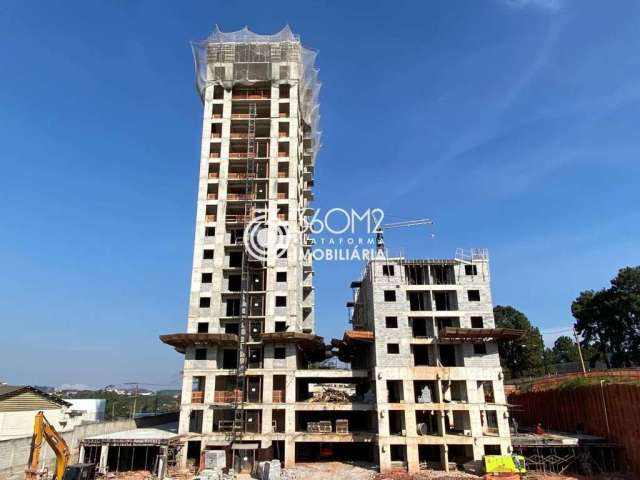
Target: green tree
<point>565,350</point>
<point>609,320</point>
<point>525,356</point>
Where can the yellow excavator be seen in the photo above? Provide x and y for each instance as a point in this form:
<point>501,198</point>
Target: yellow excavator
<point>44,431</point>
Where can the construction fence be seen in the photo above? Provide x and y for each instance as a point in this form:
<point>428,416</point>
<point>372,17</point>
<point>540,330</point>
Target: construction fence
<point>608,410</point>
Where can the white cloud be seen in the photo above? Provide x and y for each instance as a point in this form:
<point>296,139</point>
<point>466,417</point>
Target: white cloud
<point>550,6</point>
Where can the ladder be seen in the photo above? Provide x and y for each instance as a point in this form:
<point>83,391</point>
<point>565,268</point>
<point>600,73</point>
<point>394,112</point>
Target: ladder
<point>244,328</point>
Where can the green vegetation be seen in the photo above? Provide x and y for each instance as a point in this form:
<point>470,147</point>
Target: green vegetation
<point>523,357</point>
<point>609,319</point>
<point>119,406</point>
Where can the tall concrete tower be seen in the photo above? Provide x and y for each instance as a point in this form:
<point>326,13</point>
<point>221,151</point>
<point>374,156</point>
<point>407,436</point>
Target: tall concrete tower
<point>251,319</point>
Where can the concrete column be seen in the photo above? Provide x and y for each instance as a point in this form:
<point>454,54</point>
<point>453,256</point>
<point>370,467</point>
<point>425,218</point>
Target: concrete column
<point>413,458</point>
<point>444,457</point>
<point>289,453</point>
<point>104,455</point>
<point>384,454</point>
<point>81,454</point>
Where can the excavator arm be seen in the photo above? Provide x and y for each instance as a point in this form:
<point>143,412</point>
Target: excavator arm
<point>44,431</point>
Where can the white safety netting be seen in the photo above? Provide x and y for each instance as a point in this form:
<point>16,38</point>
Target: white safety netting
<point>244,57</point>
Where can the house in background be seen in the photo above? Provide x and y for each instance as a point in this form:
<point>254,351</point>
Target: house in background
<point>19,405</point>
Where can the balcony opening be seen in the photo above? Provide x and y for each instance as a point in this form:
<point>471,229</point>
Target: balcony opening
<point>396,423</point>
<point>280,326</point>
<point>394,391</point>
<point>226,390</point>
<point>216,110</point>
<point>284,89</point>
<point>443,322</point>
<point>283,129</point>
<point>430,456</point>
<point>218,92</point>
<point>283,213</point>
<point>326,421</point>
<point>457,422</point>
<point>449,356</point>
<point>240,110</point>
<point>256,305</point>
<point>283,170</point>
<point>197,389</point>
<point>279,388</point>
<point>255,330</point>
<point>223,420</point>
<point>492,450</point>
<point>460,454</point>
<point>398,456</point>
<point>417,274</point>
<point>279,353</point>
<point>425,391</point>
<point>283,110</point>
<point>235,237</point>
<point>209,231</point>
<point>200,354</point>
<point>229,359</point>
<point>427,422</point>
<point>232,328</point>
<point>278,420</point>
<point>283,149</point>
<point>234,283</point>
<point>235,259</point>
<point>419,301</point>
<point>195,421</point>
<point>233,307</point>
<point>489,420</point>
<point>254,389</point>
<point>210,213</point>
<point>443,275</point>
<point>255,92</point>
<point>454,391</point>
<point>311,452</point>
<point>216,130</point>
<point>445,301</point>
<point>283,191</point>
<point>423,356</point>
<point>214,170</point>
<point>485,390</point>
<point>212,191</point>
<point>421,327</point>
<point>393,348</point>
<point>254,353</point>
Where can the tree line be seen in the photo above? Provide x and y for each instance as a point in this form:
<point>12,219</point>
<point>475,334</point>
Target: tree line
<point>607,322</point>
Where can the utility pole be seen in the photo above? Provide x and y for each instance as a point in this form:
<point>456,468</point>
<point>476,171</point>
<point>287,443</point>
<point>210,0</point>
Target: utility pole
<point>575,335</point>
<point>135,401</point>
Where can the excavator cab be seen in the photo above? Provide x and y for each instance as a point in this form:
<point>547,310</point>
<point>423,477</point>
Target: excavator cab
<point>80,471</point>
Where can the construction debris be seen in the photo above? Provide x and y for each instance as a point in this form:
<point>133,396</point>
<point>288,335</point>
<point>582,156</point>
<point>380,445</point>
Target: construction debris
<point>331,395</point>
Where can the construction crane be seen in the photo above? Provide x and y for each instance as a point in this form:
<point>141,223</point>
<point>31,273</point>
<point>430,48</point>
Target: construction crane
<point>409,223</point>
<point>44,431</point>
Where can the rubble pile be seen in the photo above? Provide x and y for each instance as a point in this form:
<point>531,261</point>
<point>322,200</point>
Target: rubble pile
<point>331,395</point>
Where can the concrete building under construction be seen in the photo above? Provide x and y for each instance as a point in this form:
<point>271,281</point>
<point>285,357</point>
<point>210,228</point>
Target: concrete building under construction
<point>416,382</point>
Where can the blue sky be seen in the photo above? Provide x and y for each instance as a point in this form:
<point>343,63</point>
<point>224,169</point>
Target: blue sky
<point>514,125</point>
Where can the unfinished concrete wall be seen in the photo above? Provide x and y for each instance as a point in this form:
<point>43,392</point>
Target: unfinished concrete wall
<point>611,411</point>
<point>14,453</point>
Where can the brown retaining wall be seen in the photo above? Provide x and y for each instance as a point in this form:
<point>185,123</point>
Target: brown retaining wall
<point>584,407</point>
